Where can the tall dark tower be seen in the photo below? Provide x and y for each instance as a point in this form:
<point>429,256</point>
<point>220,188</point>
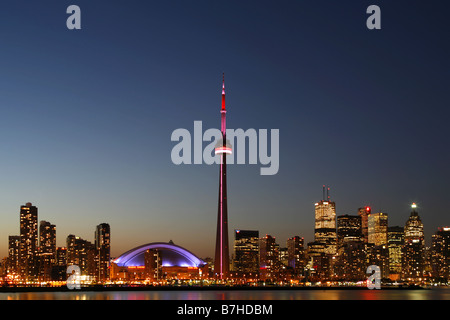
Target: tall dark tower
<point>221,262</point>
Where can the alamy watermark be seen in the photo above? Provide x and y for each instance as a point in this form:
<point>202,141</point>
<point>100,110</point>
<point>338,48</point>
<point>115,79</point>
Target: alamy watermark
<point>374,280</point>
<point>251,143</point>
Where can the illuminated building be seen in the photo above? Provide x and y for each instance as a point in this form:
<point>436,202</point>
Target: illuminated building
<point>28,242</point>
<point>269,263</point>
<point>47,249</point>
<point>440,255</point>
<point>351,254</point>
<point>364,214</point>
<point>320,266</point>
<point>103,249</point>
<point>395,245</point>
<point>222,257</point>
<point>61,256</point>
<point>348,229</point>
<point>153,264</point>
<point>60,266</point>
<point>413,250</point>
<point>325,226</point>
<point>296,254</point>
<point>377,249</point>
<point>246,252</point>
<point>377,227</point>
<point>159,259</point>
<point>81,252</point>
<point>13,254</point>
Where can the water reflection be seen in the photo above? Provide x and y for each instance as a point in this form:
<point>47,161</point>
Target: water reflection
<point>433,294</point>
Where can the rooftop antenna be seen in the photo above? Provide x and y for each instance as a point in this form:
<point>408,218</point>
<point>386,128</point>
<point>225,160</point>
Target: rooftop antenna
<point>323,193</point>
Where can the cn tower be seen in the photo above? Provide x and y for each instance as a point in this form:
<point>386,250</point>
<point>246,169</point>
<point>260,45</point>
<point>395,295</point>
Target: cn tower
<point>222,259</point>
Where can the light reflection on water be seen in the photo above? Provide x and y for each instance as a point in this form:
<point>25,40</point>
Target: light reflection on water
<point>365,294</point>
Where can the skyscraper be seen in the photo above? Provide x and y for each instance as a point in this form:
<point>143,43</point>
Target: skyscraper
<point>222,258</point>
<point>103,249</point>
<point>377,227</point>
<point>296,254</point>
<point>413,249</point>
<point>268,257</point>
<point>28,241</point>
<point>349,229</point>
<point>396,236</point>
<point>325,225</point>
<point>246,251</point>
<point>364,214</point>
<point>13,254</point>
<point>440,251</point>
<point>47,249</point>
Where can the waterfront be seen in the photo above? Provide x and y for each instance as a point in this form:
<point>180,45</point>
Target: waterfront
<point>319,294</point>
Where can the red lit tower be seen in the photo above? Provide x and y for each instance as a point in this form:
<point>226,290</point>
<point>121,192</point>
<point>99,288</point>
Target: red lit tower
<point>222,262</point>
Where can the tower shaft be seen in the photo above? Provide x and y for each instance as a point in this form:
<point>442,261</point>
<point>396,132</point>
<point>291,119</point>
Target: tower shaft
<point>221,261</point>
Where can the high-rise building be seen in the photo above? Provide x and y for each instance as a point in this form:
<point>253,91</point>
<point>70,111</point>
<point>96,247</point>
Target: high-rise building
<point>47,249</point>
<point>350,260</point>
<point>296,254</point>
<point>268,257</point>
<point>28,262</point>
<point>81,253</point>
<point>377,227</point>
<point>103,251</point>
<point>364,214</point>
<point>246,252</point>
<point>377,248</point>
<point>413,250</point>
<point>325,226</point>
<point>349,229</point>
<point>153,264</point>
<point>396,237</point>
<point>222,256</point>
<point>13,255</point>
<point>440,255</point>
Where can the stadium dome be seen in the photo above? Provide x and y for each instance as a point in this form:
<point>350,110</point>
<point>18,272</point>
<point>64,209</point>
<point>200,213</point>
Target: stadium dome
<point>171,256</point>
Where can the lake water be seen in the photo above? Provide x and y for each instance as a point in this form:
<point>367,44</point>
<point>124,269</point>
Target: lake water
<point>318,294</point>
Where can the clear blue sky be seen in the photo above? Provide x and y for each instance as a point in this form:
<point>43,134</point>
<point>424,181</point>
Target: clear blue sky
<point>86,115</point>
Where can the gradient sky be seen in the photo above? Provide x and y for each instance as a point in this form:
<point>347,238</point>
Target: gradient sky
<point>86,115</point>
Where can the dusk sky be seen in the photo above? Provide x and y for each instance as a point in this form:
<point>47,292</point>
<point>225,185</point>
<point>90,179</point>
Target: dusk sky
<point>86,116</point>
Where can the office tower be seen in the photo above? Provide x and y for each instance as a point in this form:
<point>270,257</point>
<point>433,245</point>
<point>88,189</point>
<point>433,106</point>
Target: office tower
<point>395,245</point>
<point>377,227</point>
<point>268,257</point>
<point>13,255</point>
<point>153,264</point>
<point>222,257</point>
<point>413,249</point>
<point>364,214</point>
<point>350,260</point>
<point>28,241</point>
<point>246,252</point>
<point>296,254</point>
<point>440,255</point>
<point>103,251</point>
<point>377,251</point>
<point>349,229</point>
<point>81,253</point>
<point>325,226</point>
<point>47,249</point>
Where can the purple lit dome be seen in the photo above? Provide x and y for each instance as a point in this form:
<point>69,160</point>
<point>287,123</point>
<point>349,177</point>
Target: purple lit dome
<point>171,255</point>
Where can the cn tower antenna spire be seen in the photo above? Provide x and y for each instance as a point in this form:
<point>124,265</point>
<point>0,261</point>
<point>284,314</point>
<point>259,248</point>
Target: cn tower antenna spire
<point>223,91</point>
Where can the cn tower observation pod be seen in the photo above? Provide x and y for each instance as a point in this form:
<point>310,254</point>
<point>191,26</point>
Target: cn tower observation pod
<point>171,255</point>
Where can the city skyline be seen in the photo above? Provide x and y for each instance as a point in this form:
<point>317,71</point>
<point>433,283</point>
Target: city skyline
<point>87,116</point>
